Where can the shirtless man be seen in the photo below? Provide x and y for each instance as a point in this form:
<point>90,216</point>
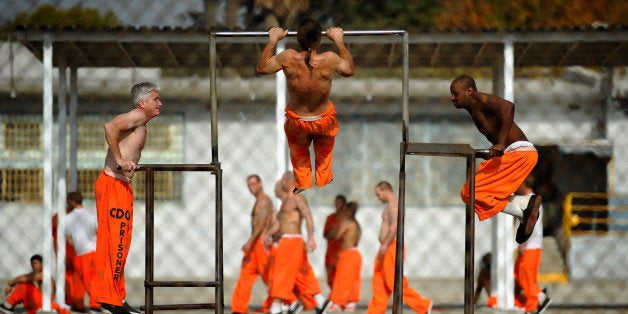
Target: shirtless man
<point>345,292</point>
<point>310,114</point>
<point>126,137</point>
<point>26,290</point>
<point>255,260</point>
<point>384,269</point>
<point>512,158</point>
<point>291,269</point>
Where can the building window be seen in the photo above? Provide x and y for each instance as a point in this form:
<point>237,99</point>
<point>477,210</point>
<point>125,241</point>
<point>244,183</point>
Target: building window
<point>21,185</point>
<point>22,135</point>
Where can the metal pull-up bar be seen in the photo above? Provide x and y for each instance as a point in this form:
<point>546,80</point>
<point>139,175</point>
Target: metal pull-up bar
<point>324,33</point>
<point>445,150</point>
<point>149,278</point>
<point>238,37</point>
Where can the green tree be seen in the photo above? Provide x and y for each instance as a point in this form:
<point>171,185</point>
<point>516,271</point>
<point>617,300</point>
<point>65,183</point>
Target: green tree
<point>47,15</point>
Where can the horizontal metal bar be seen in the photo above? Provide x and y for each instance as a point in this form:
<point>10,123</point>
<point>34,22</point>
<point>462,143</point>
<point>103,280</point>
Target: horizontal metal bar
<point>174,307</point>
<point>171,283</point>
<point>179,167</point>
<point>324,33</point>
<point>440,149</point>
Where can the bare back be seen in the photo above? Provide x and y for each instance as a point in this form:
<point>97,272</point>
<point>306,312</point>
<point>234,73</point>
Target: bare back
<point>349,232</point>
<point>309,88</point>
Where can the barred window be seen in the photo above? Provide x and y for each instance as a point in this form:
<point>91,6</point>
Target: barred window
<point>22,135</point>
<point>167,186</point>
<point>21,185</point>
<point>92,137</point>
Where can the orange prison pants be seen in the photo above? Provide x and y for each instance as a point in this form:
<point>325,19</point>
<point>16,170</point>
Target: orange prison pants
<point>347,283</point>
<point>114,204</point>
<point>86,270</point>
<point>333,247</point>
<point>254,263</point>
<point>496,179</point>
<point>382,285</point>
<point>292,273</point>
<point>28,294</point>
<point>74,289</point>
<point>331,260</point>
<point>321,133</point>
<point>526,270</point>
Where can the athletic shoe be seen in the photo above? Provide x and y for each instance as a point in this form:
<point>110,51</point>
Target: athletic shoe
<point>132,310</point>
<point>295,307</point>
<point>429,308</point>
<point>530,216</point>
<point>325,308</point>
<point>335,308</point>
<point>113,309</point>
<point>543,303</point>
<point>350,306</point>
<point>6,308</point>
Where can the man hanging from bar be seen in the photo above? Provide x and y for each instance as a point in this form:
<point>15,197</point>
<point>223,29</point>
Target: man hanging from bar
<point>310,114</point>
<point>512,158</point>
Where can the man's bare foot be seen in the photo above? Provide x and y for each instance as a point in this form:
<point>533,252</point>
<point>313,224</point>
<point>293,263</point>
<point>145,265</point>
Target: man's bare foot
<point>530,216</point>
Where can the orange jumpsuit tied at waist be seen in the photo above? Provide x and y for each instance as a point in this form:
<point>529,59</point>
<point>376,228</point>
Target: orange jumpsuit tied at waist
<point>114,204</point>
<point>347,283</point>
<point>320,130</point>
<point>496,179</point>
<point>292,273</point>
<point>383,282</point>
<point>254,263</point>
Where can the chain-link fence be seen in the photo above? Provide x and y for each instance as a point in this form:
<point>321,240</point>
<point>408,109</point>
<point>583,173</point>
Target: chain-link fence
<point>574,115</point>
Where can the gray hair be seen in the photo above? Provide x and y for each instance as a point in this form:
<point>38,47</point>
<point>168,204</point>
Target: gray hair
<point>140,91</point>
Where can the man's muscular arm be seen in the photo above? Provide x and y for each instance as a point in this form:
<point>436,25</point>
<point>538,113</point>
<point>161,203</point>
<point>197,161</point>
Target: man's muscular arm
<point>304,208</point>
<point>113,133</point>
<point>345,67</point>
<point>268,62</point>
<point>505,113</point>
<point>390,230</point>
<point>260,218</point>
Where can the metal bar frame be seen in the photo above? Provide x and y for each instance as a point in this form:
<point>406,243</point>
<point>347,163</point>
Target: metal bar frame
<point>149,276</point>
<point>443,150</point>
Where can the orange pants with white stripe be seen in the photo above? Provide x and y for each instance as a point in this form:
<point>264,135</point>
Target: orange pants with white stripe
<point>114,204</point>
<point>496,179</point>
<point>292,273</point>
<point>347,282</point>
<point>382,285</point>
<point>320,131</point>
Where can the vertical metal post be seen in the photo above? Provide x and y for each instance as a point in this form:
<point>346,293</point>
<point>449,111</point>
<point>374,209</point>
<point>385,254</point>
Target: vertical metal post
<point>213,97</point>
<point>150,241</point>
<point>219,291</point>
<point>401,206</point>
<point>73,185</point>
<point>61,179</point>
<point>48,172</point>
<point>469,234</point>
